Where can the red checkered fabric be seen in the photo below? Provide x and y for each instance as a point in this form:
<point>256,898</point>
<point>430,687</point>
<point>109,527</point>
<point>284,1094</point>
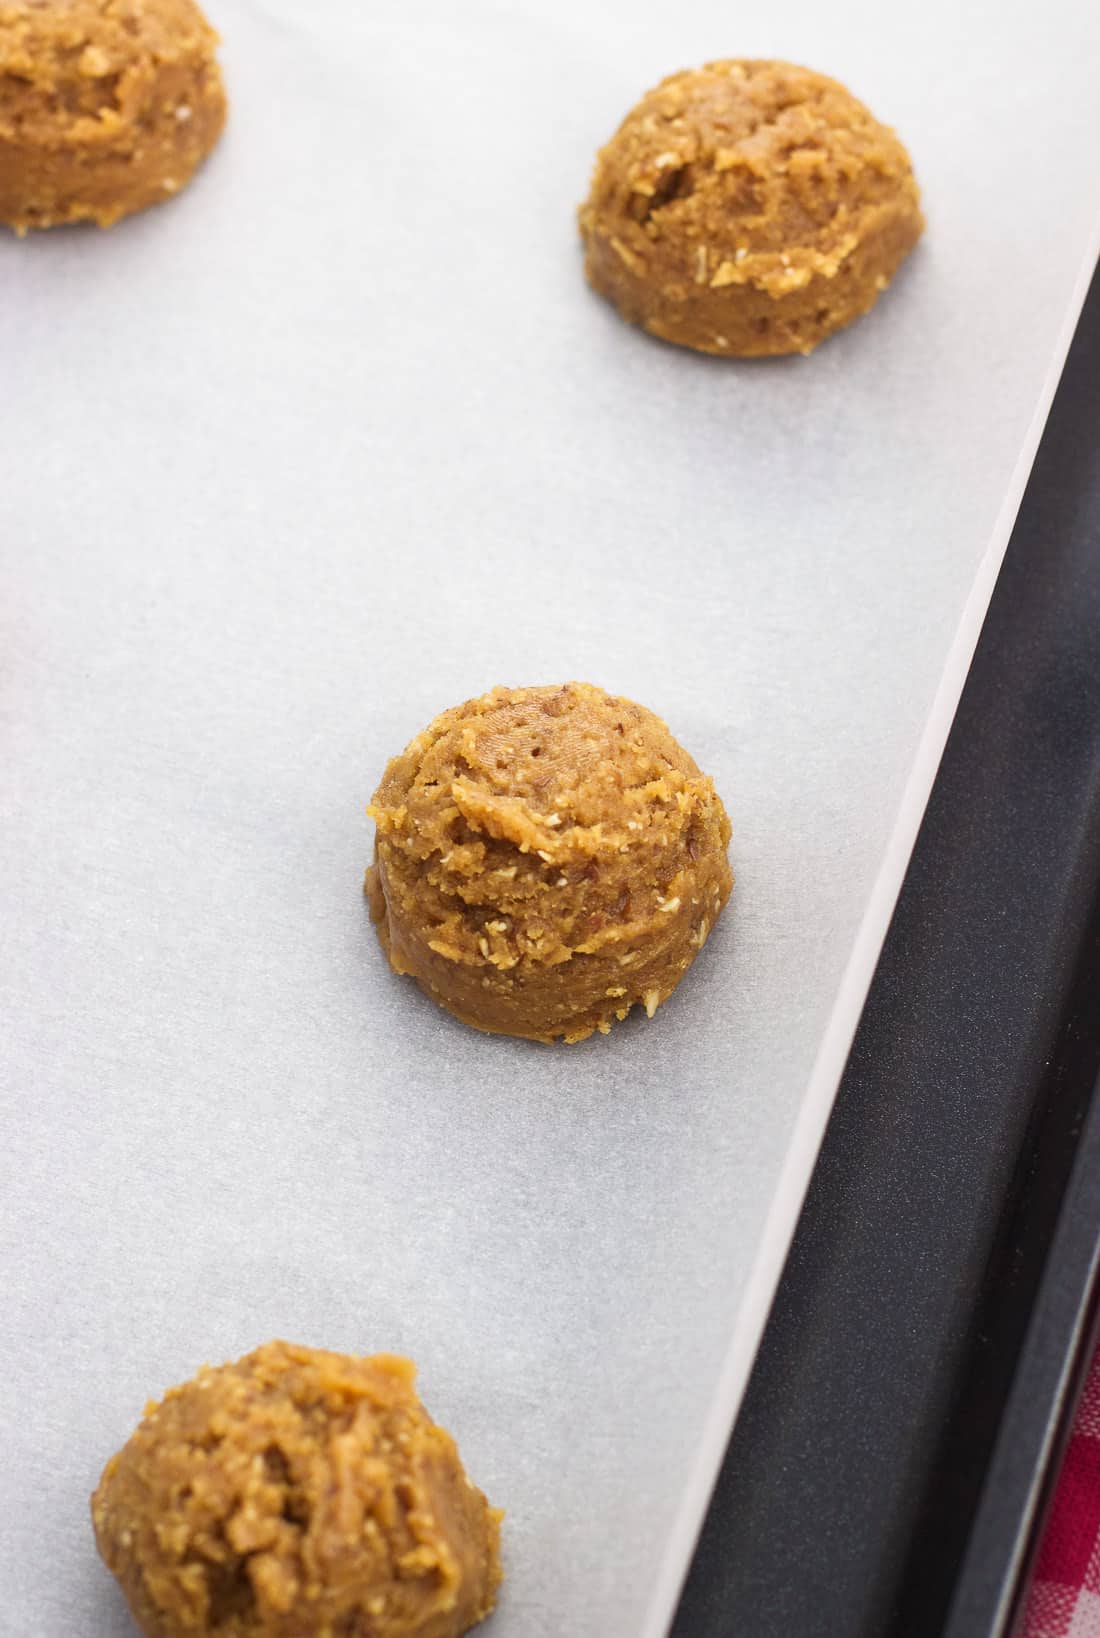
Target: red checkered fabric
<point>1064,1600</point>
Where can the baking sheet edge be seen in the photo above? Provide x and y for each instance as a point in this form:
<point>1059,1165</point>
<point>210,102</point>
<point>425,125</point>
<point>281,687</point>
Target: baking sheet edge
<point>836,1042</point>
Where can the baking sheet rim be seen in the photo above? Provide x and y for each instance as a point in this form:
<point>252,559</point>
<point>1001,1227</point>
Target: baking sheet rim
<point>824,1081</point>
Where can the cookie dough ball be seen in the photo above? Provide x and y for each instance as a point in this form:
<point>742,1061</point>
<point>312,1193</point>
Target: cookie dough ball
<point>106,106</point>
<point>748,208</point>
<point>297,1492</point>
<point>546,858</point>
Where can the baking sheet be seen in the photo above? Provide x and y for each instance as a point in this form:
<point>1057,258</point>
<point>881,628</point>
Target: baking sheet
<point>340,438</point>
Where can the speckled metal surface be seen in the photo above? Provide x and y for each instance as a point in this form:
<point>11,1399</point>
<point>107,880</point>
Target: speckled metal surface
<point>854,1474</point>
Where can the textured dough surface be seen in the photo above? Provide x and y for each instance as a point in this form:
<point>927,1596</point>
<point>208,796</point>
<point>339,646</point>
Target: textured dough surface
<point>106,106</point>
<point>297,1494</point>
<point>545,859</point>
<point>748,208</point>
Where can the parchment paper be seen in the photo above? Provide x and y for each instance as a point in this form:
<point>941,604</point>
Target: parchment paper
<point>335,440</point>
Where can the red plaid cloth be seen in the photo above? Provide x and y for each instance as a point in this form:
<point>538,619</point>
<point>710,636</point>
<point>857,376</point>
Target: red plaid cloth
<point>1064,1601</point>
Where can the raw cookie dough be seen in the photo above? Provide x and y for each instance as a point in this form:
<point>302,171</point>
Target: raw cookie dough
<point>747,208</point>
<point>106,106</point>
<point>546,857</point>
<point>293,1494</point>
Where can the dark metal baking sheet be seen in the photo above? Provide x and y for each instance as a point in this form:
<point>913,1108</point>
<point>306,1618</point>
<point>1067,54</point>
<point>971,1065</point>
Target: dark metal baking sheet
<point>888,1469</point>
<point>286,478</point>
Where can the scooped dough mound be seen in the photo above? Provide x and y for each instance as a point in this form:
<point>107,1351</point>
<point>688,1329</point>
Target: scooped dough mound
<point>748,208</point>
<point>293,1494</point>
<point>106,106</point>
<point>546,858</point>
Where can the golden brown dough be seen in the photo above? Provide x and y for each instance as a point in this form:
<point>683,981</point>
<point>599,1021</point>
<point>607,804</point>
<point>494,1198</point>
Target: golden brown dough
<point>297,1494</point>
<point>106,106</point>
<point>747,208</point>
<point>546,858</point>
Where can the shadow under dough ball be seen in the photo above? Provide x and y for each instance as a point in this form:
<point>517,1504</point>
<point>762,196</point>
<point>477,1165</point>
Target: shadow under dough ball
<point>106,106</point>
<point>297,1492</point>
<point>748,208</point>
<point>547,858</point>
